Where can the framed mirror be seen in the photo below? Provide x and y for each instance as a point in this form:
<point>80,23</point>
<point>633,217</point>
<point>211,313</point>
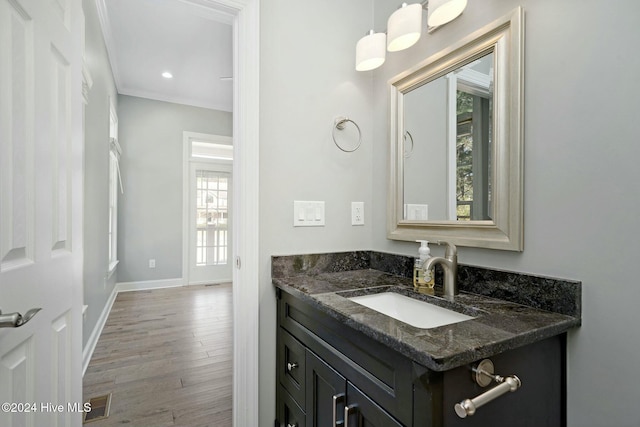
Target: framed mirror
<point>457,142</point>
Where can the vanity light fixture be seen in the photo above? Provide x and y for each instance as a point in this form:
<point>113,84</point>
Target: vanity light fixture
<point>444,11</point>
<point>404,29</point>
<point>167,75</point>
<point>371,51</point>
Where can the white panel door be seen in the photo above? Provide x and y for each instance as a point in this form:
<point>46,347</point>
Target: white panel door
<point>41,211</point>
<point>210,223</point>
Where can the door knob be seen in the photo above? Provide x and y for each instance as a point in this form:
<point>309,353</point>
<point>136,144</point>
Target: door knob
<point>15,320</point>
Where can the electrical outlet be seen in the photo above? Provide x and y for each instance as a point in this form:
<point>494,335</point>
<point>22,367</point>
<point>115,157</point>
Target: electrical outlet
<point>357,213</point>
<point>152,263</point>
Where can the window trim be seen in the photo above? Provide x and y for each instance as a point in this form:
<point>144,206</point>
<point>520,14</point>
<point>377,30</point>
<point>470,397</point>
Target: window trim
<point>115,152</point>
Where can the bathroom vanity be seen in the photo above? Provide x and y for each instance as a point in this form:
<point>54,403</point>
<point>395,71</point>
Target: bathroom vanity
<point>340,363</point>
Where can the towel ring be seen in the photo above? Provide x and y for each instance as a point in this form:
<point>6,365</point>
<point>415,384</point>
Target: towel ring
<point>340,123</point>
<point>407,153</point>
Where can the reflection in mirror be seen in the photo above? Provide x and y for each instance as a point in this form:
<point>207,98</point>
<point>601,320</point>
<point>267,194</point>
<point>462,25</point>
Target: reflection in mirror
<point>474,101</point>
<point>462,160</point>
<point>456,142</point>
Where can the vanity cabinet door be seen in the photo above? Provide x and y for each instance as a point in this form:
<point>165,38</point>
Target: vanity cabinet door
<point>326,390</point>
<point>364,412</point>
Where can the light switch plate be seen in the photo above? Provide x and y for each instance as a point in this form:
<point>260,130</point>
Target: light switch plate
<point>308,214</point>
<point>414,212</point>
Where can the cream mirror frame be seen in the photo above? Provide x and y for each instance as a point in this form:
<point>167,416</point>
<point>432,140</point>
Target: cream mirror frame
<point>505,39</point>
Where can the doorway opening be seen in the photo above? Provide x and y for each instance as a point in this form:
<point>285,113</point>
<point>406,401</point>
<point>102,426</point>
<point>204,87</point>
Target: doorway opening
<point>244,15</point>
<point>207,209</point>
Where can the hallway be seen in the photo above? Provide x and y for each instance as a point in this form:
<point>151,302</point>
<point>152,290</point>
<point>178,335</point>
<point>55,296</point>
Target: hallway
<point>166,357</point>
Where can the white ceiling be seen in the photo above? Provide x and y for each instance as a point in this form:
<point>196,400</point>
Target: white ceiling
<point>144,38</point>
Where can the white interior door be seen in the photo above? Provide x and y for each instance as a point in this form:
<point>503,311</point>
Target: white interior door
<point>41,210</point>
<point>210,223</point>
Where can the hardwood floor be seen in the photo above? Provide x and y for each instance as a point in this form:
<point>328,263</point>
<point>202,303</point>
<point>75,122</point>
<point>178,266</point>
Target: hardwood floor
<point>166,357</point>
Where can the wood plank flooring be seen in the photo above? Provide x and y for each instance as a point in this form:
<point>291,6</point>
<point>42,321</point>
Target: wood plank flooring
<point>166,357</point>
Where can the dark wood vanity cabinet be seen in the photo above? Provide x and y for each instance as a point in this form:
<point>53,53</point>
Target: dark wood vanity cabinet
<point>325,366</point>
<point>324,394</point>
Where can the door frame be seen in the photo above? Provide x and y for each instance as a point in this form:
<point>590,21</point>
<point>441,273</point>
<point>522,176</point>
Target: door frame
<point>246,100</point>
<point>187,139</point>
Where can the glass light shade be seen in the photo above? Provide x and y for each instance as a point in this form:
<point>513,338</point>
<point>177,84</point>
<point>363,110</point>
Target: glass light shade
<point>404,27</point>
<point>443,11</point>
<point>371,51</point>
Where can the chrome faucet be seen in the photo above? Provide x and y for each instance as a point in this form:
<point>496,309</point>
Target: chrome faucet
<point>450,266</point>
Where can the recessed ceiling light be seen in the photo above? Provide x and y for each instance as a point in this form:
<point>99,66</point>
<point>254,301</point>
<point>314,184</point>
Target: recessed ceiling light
<point>167,75</point>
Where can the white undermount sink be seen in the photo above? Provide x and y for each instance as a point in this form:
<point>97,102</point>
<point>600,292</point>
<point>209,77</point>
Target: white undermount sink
<point>412,311</point>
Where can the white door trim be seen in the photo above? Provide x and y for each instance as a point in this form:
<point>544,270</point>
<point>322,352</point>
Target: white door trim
<point>246,48</point>
<point>246,289</point>
<point>187,138</point>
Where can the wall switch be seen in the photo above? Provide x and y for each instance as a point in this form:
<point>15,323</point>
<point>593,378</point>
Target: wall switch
<point>357,213</point>
<point>152,263</point>
<point>308,214</point>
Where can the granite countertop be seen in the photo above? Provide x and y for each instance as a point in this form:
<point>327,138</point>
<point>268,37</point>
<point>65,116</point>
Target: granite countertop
<point>498,325</point>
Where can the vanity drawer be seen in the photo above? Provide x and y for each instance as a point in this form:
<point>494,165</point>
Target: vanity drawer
<point>289,413</point>
<point>291,366</point>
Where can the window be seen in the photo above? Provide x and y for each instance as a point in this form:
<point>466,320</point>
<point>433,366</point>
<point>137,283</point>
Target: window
<point>115,183</point>
<point>212,216</point>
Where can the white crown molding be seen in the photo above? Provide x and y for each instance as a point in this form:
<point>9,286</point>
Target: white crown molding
<point>103,15</point>
<point>175,99</point>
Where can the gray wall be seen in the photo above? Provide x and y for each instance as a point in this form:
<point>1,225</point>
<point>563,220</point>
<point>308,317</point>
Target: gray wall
<point>581,181</point>
<point>425,118</point>
<point>150,210</point>
<point>307,77</point>
<point>97,288</point>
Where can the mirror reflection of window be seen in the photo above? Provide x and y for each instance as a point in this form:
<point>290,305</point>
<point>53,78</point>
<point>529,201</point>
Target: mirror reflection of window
<point>474,94</point>
<point>473,153</point>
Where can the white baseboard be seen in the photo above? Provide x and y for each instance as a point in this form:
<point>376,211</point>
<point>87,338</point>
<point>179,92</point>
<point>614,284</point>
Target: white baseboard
<point>210,282</point>
<point>88,350</point>
<point>149,284</point>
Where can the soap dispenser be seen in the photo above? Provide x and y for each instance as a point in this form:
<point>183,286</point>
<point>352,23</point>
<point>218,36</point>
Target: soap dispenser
<point>420,279</point>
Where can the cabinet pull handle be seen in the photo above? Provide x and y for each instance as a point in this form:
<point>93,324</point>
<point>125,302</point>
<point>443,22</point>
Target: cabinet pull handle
<point>348,410</point>
<point>337,398</point>
<point>291,366</point>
